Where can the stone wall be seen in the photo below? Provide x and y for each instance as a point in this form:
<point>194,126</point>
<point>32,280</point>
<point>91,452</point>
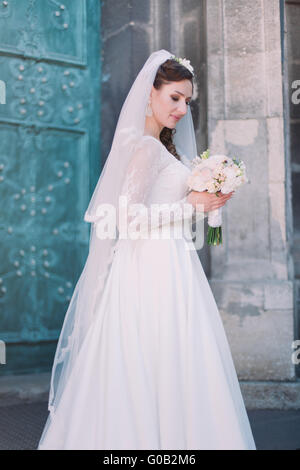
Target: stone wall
<point>252,273</point>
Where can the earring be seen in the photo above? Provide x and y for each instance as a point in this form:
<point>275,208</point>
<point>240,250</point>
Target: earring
<point>149,109</point>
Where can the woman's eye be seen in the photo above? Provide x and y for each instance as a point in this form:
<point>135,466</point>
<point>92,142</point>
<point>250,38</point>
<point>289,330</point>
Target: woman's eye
<point>176,99</point>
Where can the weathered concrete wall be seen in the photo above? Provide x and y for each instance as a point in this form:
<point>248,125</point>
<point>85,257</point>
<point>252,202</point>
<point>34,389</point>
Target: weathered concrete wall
<point>252,273</point>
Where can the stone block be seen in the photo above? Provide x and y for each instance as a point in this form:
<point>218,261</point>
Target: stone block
<point>245,94</point>
<point>243,27</point>
<point>271,395</point>
<point>278,295</point>
<point>262,345</point>
<point>276,156</point>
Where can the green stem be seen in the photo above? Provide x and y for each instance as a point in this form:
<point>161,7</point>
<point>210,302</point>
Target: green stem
<point>214,235</point>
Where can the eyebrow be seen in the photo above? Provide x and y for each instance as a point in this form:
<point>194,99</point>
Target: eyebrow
<point>182,94</point>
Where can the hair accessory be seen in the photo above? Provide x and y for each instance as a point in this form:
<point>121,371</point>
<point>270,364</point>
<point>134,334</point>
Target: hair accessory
<point>149,111</point>
<point>185,62</point>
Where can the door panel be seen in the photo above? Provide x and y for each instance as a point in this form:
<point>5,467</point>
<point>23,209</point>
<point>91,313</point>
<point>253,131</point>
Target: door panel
<point>49,165</point>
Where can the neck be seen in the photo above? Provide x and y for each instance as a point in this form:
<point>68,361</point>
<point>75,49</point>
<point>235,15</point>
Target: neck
<point>152,127</point>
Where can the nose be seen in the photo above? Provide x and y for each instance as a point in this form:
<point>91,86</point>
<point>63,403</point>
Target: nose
<point>182,108</point>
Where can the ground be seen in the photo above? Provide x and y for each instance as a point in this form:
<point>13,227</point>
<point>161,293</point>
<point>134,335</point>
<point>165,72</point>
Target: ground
<point>21,426</point>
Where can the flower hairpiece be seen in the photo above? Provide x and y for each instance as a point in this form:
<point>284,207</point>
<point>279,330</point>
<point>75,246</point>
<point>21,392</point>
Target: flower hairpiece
<point>185,62</point>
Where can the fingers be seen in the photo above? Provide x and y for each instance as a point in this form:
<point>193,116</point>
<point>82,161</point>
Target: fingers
<point>226,194</point>
<point>221,200</point>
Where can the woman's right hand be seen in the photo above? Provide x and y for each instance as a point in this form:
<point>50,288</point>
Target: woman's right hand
<point>209,200</point>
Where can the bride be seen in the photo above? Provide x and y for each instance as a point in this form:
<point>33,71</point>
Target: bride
<point>142,361</point>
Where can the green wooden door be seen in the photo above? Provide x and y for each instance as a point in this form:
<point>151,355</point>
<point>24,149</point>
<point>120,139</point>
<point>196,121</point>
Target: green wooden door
<point>49,164</point>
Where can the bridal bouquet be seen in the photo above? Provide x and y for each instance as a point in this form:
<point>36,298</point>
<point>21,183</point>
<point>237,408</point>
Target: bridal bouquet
<point>216,173</point>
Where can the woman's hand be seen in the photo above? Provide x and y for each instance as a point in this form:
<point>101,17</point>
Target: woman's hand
<point>209,200</point>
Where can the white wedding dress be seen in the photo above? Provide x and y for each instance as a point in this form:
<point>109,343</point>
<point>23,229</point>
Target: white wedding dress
<point>155,370</point>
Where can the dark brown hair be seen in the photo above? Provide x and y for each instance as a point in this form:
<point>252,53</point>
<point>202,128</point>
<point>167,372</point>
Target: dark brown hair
<point>171,71</point>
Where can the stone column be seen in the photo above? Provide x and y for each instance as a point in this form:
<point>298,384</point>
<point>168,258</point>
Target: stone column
<point>252,272</point>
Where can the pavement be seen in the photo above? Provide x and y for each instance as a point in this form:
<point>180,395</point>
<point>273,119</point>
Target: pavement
<point>23,414</point>
<point>21,426</point>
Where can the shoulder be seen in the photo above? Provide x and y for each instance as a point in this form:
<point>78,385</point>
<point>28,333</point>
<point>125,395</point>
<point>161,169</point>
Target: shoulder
<point>149,146</point>
<point>147,141</point>
<point>148,154</point>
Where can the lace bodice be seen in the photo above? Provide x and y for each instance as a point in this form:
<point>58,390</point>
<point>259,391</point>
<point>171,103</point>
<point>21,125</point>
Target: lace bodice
<point>156,177</point>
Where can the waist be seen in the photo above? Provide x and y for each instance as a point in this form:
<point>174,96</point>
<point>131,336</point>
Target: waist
<point>178,229</point>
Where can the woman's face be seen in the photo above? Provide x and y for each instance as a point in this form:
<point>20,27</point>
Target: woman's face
<point>171,101</point>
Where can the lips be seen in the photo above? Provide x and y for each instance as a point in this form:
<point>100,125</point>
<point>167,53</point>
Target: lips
<point>175,117</point>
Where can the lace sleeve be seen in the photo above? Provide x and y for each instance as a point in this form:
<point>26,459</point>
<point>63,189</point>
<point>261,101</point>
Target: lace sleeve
<point>143,170</point>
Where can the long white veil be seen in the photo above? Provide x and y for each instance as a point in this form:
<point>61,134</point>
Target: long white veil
<point>89,287</point>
